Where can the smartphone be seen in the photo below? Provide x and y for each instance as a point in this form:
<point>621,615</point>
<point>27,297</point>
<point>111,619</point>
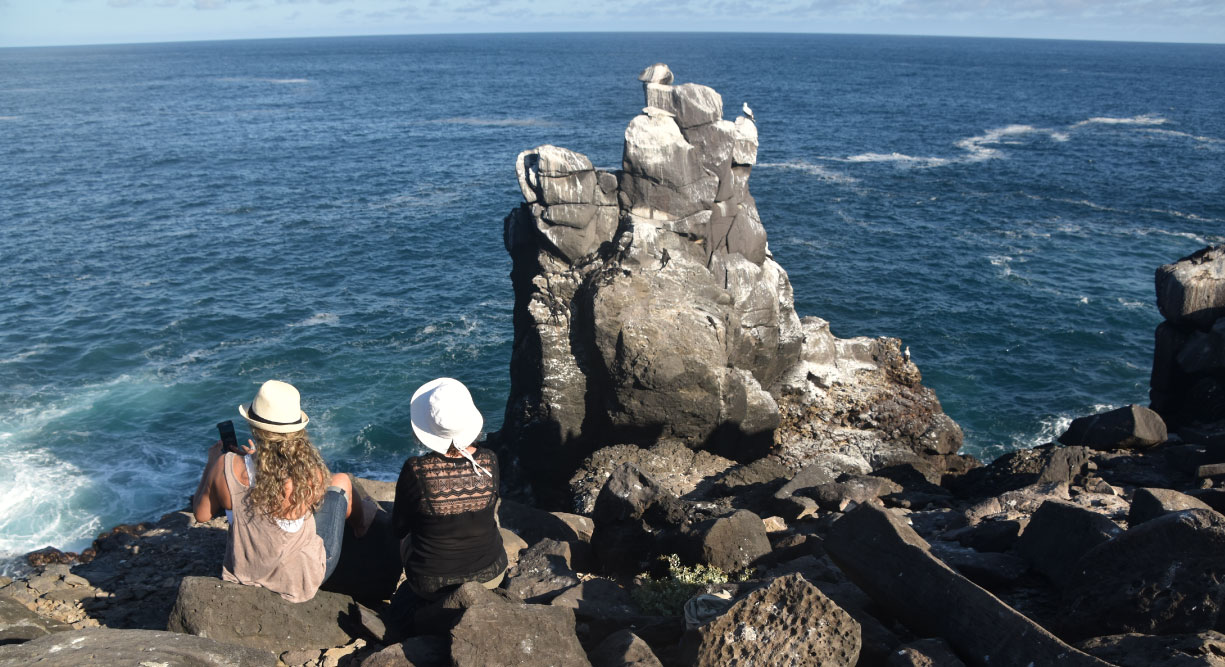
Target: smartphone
<point>229,442</point>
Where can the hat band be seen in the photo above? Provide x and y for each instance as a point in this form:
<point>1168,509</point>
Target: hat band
<point>251,414</point>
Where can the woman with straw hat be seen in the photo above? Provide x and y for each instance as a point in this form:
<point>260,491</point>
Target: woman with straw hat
<point>287,509</point>
<point>446,499</point>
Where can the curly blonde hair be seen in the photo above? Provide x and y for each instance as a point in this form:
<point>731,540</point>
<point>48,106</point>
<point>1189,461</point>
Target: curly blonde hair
<point>281,458</point>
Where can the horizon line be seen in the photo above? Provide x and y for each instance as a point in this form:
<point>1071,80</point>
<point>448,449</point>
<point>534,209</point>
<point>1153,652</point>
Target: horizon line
<point>604,32</point>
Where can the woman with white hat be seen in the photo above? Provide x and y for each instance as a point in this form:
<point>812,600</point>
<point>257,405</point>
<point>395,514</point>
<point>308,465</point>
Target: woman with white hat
<point>287,509</point>
<point>446,499</point>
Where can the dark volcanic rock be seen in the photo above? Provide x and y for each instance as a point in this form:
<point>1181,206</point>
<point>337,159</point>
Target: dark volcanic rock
<point>543,572</point>
<point>1206,649</point>
<point>623,649</point>
<point>413,652</point>
<point>440,616</point>
<point>1164,576</point>
<point>729,543</point>
<point>789,622</point>
<point>260,618</point>
<point>1128,427</point>
<point>100,646</point>
<point>1058,534</point>
<point>1149,504</point>
<point>516,634</point>
<point>876,549</point>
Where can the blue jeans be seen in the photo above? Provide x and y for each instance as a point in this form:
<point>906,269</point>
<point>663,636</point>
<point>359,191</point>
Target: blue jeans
<point>330,525</point>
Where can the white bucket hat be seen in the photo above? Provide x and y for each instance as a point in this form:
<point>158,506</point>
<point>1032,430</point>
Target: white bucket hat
<point>443,414</point>
<point>276,408</point>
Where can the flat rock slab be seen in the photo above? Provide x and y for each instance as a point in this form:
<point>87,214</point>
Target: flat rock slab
<point>259,618</point>
<point>516,634</point>
<point>101,646</point>
<point>877,550</point>
<point>19,624</point>
<point>1205,649</point>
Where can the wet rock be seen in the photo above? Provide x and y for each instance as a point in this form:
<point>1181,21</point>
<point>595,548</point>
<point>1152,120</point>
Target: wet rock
<point>789,622</point>
<point>876,548</point>
<point>1149,504</point>
<point>132,647</point>
<point>1058,534</point>
<point>516,634</point>
<point>260,618</point>
<point>1165,576</point>
<point>1128,427</point>
<point>623,649</point>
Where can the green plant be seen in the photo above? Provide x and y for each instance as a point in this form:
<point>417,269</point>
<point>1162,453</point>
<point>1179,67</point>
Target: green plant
<point>667,596</point>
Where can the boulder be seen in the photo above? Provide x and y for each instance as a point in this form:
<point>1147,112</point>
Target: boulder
<point>532,524</point>
<point>603,605</point>
<point>996,536</point>
<point>1128,427</point>
<point>19,624</point>
<point>731,543</point>
<point>103,646</point>
<point>1149,504</point>
<point>1165,576</point>
<point>788,622</point>
<point>543,572</point>
<point>1058,534</point>
<point>413,652</point>
<point>259,618</point>
<point>876,549</point>
<point>1204,649</point>
<point>1191,291</point>
<point>516,634</point>
<point>990,569</point>
<point>623,649</point>
<point>439,617</point>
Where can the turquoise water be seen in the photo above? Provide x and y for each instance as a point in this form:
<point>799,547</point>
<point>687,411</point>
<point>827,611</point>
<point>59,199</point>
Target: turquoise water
<point>184,221</point>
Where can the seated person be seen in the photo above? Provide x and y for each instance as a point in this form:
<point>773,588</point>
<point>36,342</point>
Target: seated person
<point>446,499</point>
<point>287,511</point>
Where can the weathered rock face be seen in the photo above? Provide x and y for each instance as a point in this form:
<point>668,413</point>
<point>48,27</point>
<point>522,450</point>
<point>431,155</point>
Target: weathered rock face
<point>1165,576</point>
<point>648,307</point>
<point>1188,381</point>
<point>789,622</point>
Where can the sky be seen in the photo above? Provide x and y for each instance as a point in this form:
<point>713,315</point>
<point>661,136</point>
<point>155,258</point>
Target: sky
<point>62,22</point>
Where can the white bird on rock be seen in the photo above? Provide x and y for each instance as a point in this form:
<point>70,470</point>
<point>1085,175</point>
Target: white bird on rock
<point>747,111</point>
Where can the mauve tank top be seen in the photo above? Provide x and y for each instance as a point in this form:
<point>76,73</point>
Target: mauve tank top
<point>259,553</point>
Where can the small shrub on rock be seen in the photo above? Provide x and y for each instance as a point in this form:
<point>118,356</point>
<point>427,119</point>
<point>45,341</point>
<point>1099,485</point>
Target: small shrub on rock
<point>667,596</point>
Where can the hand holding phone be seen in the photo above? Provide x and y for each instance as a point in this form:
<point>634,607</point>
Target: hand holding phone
<point>229,442</point>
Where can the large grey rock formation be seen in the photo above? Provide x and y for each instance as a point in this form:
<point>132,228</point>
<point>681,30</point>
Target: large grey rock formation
<point>1188,381</point>
<point>648,307</point>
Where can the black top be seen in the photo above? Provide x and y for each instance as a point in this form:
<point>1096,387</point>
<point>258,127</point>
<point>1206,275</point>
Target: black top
<point>448,509</point>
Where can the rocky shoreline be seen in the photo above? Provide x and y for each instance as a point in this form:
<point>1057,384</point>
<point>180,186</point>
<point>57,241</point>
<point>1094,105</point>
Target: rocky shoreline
<point>698,476</point>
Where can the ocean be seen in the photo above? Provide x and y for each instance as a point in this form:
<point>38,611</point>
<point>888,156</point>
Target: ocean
<point>181,222</point>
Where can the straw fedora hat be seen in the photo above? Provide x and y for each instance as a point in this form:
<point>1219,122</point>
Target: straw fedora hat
<point>443,414</point>
<point>276,408</point>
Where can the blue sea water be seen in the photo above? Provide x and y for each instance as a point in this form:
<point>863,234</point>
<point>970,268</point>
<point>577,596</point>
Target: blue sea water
<point>183,221</point>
